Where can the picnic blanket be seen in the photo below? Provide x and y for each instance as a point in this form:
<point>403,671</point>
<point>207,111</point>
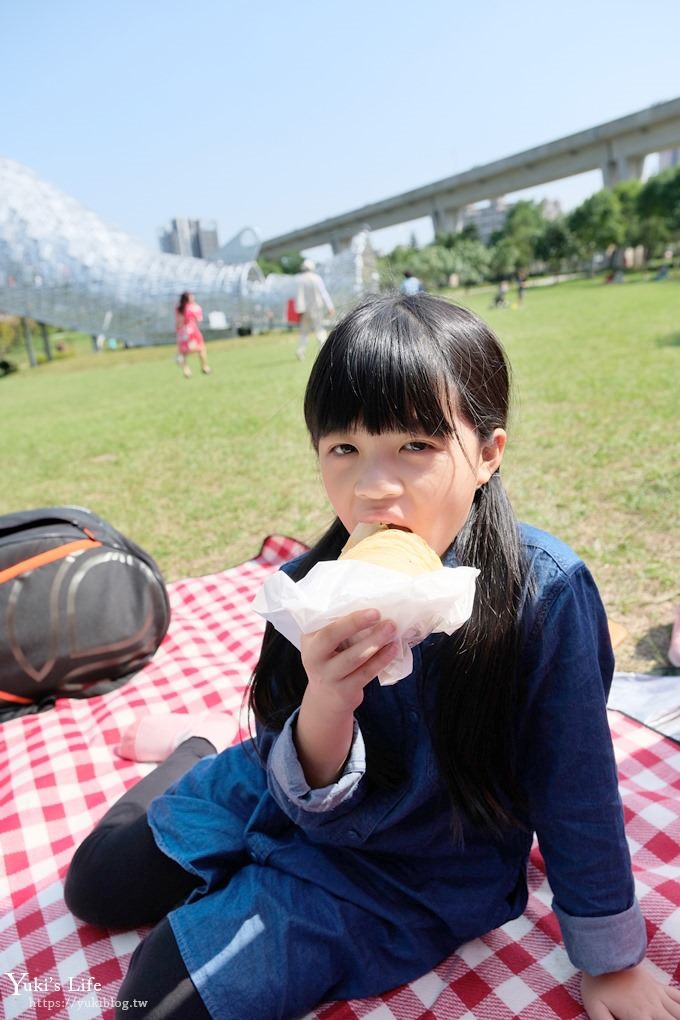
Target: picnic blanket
<point>59,772</point>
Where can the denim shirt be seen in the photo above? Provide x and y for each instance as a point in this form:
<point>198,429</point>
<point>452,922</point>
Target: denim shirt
<point>391,850</point>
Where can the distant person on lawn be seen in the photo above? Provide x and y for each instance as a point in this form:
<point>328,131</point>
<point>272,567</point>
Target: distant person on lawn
<point>190,340</point>
<point>501,297</point>
<point>521,285</point>
<point>411,284</point>
<point>312,303</point>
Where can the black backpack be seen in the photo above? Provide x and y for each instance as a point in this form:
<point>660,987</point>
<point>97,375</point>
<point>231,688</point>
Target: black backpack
<point>82,608</point>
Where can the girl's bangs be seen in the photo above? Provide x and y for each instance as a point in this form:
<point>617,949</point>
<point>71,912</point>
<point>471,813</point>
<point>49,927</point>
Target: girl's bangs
<point>378,379</point>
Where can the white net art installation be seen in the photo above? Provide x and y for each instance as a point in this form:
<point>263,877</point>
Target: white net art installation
<point>61,264</point>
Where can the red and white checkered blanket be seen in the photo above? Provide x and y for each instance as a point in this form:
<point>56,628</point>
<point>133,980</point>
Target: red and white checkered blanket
<point>58,774</point>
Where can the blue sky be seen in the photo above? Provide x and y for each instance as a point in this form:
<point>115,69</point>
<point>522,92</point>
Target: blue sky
<point>275,114</point>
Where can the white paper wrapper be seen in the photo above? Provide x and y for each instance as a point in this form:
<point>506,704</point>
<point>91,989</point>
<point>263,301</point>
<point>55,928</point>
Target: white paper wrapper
<point>440,600</point>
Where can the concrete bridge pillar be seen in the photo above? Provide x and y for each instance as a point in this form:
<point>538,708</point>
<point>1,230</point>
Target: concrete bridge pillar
<point>447,221</point>
<point>339,244</point>
<point>621,168</point>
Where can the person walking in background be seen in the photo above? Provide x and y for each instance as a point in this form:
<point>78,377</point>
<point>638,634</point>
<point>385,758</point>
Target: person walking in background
<point>521,285</point>
<point>312,303</point>
<point>190,340</point>
<point>501,297</point>
<point>411,284</point>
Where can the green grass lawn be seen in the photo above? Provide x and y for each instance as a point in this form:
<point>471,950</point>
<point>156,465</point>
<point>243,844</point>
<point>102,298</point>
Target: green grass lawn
<point>199,471</point>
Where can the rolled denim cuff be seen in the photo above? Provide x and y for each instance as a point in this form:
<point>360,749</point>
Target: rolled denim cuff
<point>286,771</point>
<point>599,945</point>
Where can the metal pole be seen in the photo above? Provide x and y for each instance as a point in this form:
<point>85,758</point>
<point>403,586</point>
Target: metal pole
<point>46,341</point>
<point>28,340</point>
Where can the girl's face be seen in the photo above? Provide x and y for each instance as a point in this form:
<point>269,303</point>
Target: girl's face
<point>420,482</point>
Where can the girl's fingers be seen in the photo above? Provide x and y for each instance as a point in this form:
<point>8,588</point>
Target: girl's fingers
<point>357,642</point>
<point>361,654</point>
<point>343,632</point>
<point>373,666</point>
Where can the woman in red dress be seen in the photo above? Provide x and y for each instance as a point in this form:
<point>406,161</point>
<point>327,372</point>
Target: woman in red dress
<point>189,337</point>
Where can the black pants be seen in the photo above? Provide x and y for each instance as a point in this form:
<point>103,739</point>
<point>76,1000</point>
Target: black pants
<point>118,878</point>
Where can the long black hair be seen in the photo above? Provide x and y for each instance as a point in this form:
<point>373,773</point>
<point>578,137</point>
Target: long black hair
<point>415,363</point>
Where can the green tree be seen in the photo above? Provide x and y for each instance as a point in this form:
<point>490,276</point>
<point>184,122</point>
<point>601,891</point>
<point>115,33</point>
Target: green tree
<point>598,222</point>
<point>268,265</point>
<point>555,245</point>
<point>470,232</point>
<point>659,201</point>
<point>650,229</point>
<point>506,257</point>
<point>523,226</point>
<point>468,257</point>
<point>628,193</point>
<point>445,240</point>
<point>471,260</point>
<point>289,262</point>
<point>452,240</point>
<point>9,333</point>
<point>433,265</point>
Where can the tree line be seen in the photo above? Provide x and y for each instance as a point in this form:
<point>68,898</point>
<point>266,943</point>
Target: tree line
<point>630,214</point>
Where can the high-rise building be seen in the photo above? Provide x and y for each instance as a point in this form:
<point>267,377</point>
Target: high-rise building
<point>486,217</point>
<point>196,238</point>
<point>551,208</point>
<point>669,158</point>
<point>206,235</point>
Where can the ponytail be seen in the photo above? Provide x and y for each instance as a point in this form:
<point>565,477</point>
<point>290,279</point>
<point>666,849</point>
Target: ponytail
<point>472,729</point>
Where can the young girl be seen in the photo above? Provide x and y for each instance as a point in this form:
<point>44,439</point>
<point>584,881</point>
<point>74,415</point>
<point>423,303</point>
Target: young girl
<point>367,831</point>
<point>190,340</point>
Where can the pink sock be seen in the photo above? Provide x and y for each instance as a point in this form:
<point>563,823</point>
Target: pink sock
<point>154,737</point>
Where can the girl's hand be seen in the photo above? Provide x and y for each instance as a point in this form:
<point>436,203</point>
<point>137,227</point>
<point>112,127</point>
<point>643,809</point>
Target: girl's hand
<point>632,994</point>
<point>339,659</point>
<point>342,657</point>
